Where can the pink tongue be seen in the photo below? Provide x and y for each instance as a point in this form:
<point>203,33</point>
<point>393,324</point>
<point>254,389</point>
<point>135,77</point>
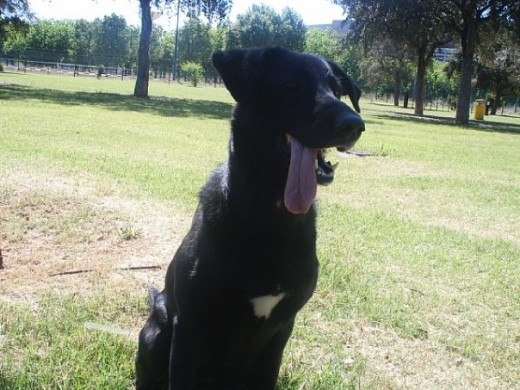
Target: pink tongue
<point>301,185</point>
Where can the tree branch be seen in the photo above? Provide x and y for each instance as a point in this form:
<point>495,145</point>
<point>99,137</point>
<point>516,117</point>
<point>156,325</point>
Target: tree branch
<point>83,271</point>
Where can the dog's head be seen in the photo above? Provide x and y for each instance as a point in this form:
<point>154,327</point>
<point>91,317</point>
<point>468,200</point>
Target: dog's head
<point>293,104</point>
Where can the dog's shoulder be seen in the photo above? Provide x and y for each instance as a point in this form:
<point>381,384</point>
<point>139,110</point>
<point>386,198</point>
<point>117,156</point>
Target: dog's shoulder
<point>213,196</point>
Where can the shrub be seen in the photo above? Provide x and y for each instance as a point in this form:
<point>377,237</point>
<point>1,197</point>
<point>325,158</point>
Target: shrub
<point>193,72</point>
<point>100,71</point>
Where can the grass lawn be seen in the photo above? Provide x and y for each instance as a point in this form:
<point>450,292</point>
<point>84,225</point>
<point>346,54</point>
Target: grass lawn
<point>419,243</point>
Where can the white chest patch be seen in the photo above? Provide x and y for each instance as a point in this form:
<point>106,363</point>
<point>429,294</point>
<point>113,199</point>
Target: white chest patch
<point>264,305</point>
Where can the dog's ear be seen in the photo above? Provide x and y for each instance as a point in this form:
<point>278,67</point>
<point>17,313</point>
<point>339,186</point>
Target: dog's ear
<point>233,68</point>
<point>347,85</point>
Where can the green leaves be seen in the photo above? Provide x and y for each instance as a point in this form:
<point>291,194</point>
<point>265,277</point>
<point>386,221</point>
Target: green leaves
<point>261,25</point>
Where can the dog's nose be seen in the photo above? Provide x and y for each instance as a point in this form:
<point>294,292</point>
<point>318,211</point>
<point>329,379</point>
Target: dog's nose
<point>350,122</point>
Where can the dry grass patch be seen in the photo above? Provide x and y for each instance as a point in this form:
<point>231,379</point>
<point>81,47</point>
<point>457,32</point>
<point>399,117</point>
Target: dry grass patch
<point>52,226</point>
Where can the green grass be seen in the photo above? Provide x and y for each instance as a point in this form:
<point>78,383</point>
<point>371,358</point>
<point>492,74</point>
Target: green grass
<point>147,144</point>
<point>51,348</point>
<point>419,245</point>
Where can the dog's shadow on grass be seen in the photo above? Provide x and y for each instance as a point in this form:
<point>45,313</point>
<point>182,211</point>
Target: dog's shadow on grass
<point>169,107</point>
<point>487,125</point>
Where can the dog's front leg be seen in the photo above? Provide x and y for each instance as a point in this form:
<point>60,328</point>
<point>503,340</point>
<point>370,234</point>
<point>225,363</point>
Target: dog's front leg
<point>183,357</point>
<point>264,375</point>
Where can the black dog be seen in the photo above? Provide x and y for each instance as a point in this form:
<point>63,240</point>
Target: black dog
<point>248,263</point>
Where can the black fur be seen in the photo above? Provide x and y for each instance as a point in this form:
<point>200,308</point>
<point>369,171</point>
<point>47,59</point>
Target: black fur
<point>204,331</point>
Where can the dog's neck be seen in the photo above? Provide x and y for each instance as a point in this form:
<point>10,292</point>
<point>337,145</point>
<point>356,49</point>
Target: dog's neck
<point>256,174</point>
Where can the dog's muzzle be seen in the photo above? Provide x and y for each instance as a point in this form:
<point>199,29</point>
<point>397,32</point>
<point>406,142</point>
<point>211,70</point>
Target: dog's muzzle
<point>308,167</point>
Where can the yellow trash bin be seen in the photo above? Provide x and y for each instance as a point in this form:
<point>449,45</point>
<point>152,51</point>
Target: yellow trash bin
<point>480,109</point>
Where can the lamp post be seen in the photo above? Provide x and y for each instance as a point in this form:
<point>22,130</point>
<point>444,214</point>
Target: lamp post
<point>176,49</point>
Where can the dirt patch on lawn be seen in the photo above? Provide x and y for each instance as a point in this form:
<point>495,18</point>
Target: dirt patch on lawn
<point>76,236</point>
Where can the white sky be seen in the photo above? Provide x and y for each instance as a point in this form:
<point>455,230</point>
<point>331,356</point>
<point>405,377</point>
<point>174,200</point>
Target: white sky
<point>311,11</point>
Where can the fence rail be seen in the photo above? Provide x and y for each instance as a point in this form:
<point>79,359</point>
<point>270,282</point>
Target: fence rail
<point>14,64</point>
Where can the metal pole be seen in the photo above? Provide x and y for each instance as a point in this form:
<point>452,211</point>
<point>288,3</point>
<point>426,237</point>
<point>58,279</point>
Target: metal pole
<point>176,50</point>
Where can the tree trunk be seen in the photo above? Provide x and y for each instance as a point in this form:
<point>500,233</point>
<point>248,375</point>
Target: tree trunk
<point>397,90</point>
<point>467,41</point>
<point>143,59</point>
<point>496,103</point>
<point>405,98</point>
<point>420,81</point>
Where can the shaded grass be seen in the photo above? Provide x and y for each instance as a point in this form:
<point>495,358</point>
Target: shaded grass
<point>498,124</point>
<point>112,85</point>
<point>172,107</point>
<point>419,246</point>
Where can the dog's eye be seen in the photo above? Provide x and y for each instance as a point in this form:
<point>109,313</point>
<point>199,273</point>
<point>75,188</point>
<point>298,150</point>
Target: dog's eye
<point>292,85</point>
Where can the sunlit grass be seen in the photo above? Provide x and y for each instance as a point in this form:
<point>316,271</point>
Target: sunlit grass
<point>419,243</point>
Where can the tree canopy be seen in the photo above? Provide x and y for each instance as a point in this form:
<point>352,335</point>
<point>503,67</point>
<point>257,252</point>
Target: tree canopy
<point>10,9</point>
<point>13,13</point>
<point>261,25</point>
<point>108,41</point>
<point>466,20</point>
<point>424,25</point>
<point>410,25</point>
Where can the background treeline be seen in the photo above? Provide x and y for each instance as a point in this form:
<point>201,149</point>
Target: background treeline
<point>384,69</point>
<point>113,43</point>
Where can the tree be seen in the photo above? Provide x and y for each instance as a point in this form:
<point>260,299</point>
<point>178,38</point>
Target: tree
<point>325,43</point>
<point>161,51</point>
<point>261,25</point>
<point>292,30</point>
<point>211,9</point>
<point>414,24</point>
<point>111,41</point>
<point>51,41</point>
<point>195,44</point>
<point>257,27</point>
<point>329,44</point>
<point>143,53</point>
<point>217,36</point>
<point>15,41</point>
<point>133,34</point>
<point>466,18</point>
<point>439,85</point>
<point>13,13</point>
<point>84,36</point>
<point>392,65</point>
<point>498,68</point>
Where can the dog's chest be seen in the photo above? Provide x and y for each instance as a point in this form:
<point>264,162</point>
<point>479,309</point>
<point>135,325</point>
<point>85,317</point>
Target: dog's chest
<point>263,305</point>
<point>277,296</point>
<point>275,287</point>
